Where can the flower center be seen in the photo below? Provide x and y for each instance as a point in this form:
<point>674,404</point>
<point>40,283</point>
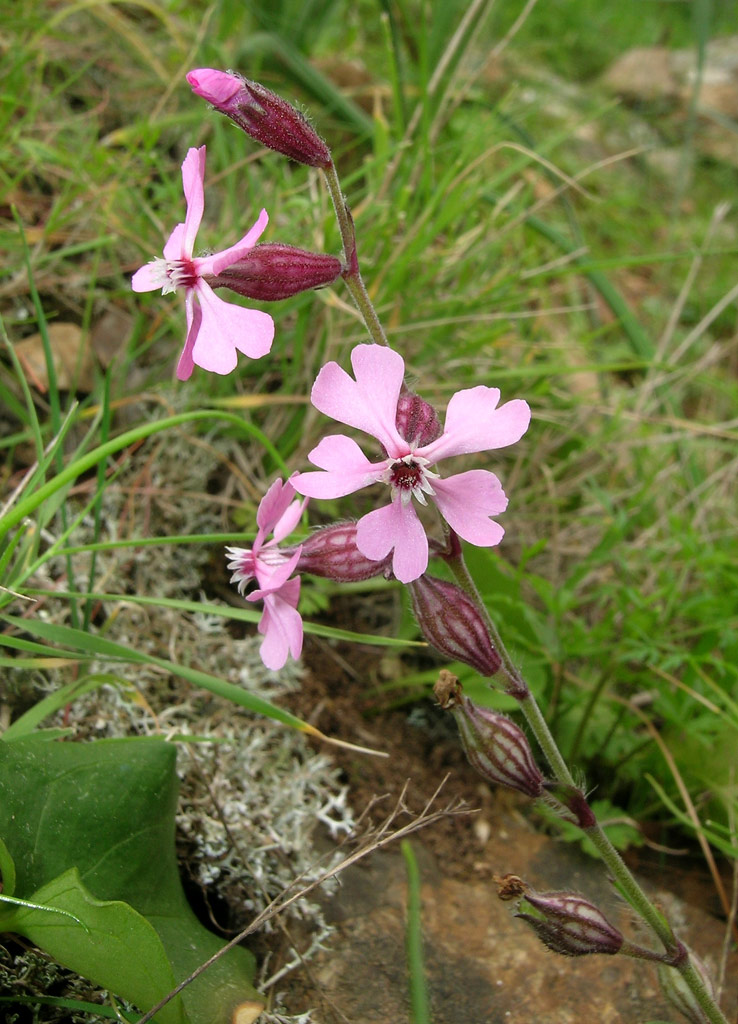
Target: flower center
<point>410,476</point>
<point>174,274</point>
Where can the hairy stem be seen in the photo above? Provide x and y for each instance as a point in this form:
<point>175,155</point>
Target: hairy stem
<point>351,273</point>
<point>516,685</point>
<point>630,888</point>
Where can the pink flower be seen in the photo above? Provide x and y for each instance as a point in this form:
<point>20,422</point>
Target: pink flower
<point>474,423</point>
<point>215,329</point>
<point>271,567</point>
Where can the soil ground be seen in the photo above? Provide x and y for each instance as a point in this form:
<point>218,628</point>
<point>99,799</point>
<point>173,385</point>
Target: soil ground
<point>483,965</point>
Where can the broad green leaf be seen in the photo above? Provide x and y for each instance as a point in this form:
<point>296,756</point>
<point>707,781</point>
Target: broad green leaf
<point>117,949</point>
<point>107,810</point>
<point>7,870</point>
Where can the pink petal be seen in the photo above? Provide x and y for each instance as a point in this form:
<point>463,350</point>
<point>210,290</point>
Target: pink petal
<point>370,401</point>
<point>287,522</point>
<point>226,328</point>
<point>474,423</point>
<point>274,577</point>
<point>147,278</point>
<point>274,504</point>
<point>219,261</point>
<point>214,86</point>
<point>395,526</point>
<point>467,500</point>
<point>174,248</point>
<point>281,626</point>
<point>347,469</point>
<point>185,365</point>
<point>193,176</point>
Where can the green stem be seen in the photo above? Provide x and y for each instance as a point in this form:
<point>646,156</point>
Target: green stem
<point>614,862</point>
<point>351,273</point>
<point>539,728</point>
<point>697,986</point>
<point>516,685</point>
<point>630,888</point>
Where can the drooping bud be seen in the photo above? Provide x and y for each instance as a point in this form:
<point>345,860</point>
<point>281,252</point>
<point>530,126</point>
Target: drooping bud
<point>452,623</point>
<point>569,924</point>
<point>275,271</point>
<point>680,995</point>
<point>332,552</point>
<point>495,747</point>
<point>417,420</point>
<point>262,114</point>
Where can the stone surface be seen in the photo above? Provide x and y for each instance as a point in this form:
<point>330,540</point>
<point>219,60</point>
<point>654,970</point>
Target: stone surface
<point>73,364</point>
<point>485,966</point>
<point>656,74</point>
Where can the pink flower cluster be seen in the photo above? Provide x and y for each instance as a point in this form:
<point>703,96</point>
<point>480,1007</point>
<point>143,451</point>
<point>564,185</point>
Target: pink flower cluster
<point>390,539</point>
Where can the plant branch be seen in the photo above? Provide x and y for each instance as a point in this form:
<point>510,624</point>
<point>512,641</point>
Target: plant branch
<point>351,273</point>
<point>625,880</point>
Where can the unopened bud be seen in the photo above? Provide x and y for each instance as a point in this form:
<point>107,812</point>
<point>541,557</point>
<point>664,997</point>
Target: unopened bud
<point>275,271</point>
<point>569,924</point>
<point>332,552</point>
<point>495,747</point>
<point>680,995</point>
<point>262,114</point>
<point>416,420</point>
<point>450,621</point>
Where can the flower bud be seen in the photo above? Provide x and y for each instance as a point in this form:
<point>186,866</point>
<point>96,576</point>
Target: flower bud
<point>569,924</point>
<point>495,747</point>
<point>452,623</point>
<point>275,271</point>
<point>262,114</point>
<point>678,992</point>
<point>417,420</point>
<point>332,552</point>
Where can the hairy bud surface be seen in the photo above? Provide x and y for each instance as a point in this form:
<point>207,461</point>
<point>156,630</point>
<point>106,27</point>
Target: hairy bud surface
<point>262,114</point>
<point>569,924</point>
<point>452,623</point>
<point>332,552</point>
<point>274,271</point>
<point>495,746</point>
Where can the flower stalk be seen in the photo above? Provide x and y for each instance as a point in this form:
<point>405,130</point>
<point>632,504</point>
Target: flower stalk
<point>516,684</point>
<point>390,540</point>
<point>617,868</point>
<point>352,274</point>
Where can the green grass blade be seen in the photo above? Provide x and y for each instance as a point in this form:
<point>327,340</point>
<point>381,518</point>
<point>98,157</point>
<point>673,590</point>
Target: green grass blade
<point>229,612</point>
<point>419,1002</point>
<point>86,462</point>
<point>315,83</point>
<point>53,702</point>
<point>99,647</point>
